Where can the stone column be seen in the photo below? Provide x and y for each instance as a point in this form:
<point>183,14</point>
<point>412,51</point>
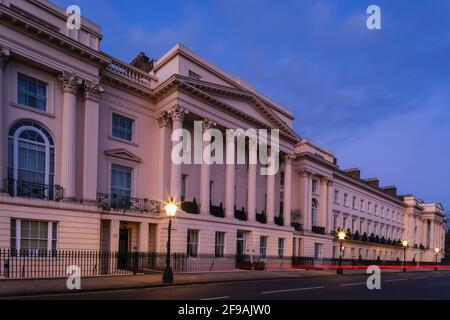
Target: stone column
<point>114,227</point>
<point>205,170</point>
<point>4,57</point>
<point>323,194</point>
<point>177,113</point>
<point>164,154</point>
<point>230,172</point>
<point>270,198</point>
<point>91,99</point>
<point>305,198</point>
<point>70,84</point>
<point>251,185</point>
<point>329,210</point>
<point>287,190</point>
<point>143,237</point>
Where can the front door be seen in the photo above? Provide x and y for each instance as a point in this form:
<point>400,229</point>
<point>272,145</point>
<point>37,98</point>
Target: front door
<point>123,248</point>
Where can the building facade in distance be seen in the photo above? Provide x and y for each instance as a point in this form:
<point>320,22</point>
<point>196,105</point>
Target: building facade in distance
<point>86,150</point>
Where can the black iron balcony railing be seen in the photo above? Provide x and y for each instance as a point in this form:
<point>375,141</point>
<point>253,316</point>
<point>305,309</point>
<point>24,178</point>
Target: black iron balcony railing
<point>217,211</point>
<point>116,202</point>
<point>297,226</point>
<point>240,214</point>
<point>279,221</point>
<point>33,190</point>
<point>318,230</point>
<point>261,217</point>
<point>190,206</point>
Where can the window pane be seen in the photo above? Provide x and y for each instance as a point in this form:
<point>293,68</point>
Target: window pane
<point>31,92</point>
<point>122,127</point>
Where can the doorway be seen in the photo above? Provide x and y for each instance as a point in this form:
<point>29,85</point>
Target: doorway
<point>124,240</point>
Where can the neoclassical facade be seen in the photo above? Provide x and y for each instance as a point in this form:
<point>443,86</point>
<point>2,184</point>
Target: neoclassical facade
<point>86,162</point>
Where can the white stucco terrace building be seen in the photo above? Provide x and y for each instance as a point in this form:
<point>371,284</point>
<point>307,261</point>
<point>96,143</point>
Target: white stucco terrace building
<point>85,154</point>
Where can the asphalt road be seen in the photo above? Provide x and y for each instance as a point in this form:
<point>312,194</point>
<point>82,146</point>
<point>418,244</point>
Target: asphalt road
<point>409,285</point>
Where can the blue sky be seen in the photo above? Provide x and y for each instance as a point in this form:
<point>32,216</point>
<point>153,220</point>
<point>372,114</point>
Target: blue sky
<point>378,99</point>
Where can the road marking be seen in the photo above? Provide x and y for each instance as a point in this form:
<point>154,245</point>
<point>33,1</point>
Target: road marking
<point>394,280</point>
<point>215,298</point>
<point>287,290</point>
<point>420,277</point>
<point>352,284</point>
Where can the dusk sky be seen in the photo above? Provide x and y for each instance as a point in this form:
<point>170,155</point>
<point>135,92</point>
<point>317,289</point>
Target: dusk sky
<point>379,99</point>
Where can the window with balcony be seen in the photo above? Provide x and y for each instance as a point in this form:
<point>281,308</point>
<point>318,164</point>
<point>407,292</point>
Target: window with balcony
<point>120,186</point>
<point>31,162</point>
<point>122,127</point>
<point>31,92</point>
<point>184,178</point>
<point>33,236</point>
<point>192,243</point>
<point>314,213</point>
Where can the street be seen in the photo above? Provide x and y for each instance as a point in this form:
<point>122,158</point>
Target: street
<point>409,285</point>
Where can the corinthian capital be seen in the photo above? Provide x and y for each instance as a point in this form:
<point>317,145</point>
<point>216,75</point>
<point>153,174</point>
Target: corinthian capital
<point>208,123</point>
<point>164,119</point>
<point>4,57</point>
<point>288,158</point>
<point>178,112</point>
<point>70,82</point>
<point>91,90</point>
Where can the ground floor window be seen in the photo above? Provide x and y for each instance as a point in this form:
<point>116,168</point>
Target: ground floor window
<point>317,250</point>
<point>220,244</point>
<point>262,246</point>
<point>334,252</point>
<point>192,243</point>
<point>280,247</point>
<point>241,242</point>
<point>33,235</point>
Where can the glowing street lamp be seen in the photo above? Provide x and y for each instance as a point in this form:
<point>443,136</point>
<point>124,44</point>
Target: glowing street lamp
<point>341,238</point>
<point>437,252</point>
<point>171,209</point>
<point>405,245</point>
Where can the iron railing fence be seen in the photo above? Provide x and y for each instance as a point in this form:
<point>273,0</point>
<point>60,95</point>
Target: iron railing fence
<point>298,261</point>
<point>16,264</point>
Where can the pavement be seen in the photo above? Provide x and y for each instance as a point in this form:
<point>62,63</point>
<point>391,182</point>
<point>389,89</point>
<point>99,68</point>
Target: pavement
<point>40,287</point>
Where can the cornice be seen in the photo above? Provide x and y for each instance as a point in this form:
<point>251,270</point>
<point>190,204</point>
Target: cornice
<point>46,33</point>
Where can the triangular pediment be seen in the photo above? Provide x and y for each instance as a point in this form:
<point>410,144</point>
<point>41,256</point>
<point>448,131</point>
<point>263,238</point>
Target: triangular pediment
<point>123,154</point>
<point>248,103</point>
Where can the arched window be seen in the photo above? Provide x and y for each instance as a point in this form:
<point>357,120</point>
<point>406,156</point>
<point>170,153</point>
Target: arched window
<point>31,160</point>
<point>314,212</point>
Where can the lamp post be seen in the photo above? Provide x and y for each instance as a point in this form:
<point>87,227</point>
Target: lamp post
<point>341,238</point>
<point>437,252</point>
<point>405,245</point>
<point>171,209</point>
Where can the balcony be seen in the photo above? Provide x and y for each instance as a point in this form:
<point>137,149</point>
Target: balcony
<point>240,214</point>
<point>318,230</point>
<point>261,217</point>
<point>190,206</point>
<point>33,190</point>
<point>297,226</point>
<point>279,221</point>
<point>110,202</point>
<point>217,211</point>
